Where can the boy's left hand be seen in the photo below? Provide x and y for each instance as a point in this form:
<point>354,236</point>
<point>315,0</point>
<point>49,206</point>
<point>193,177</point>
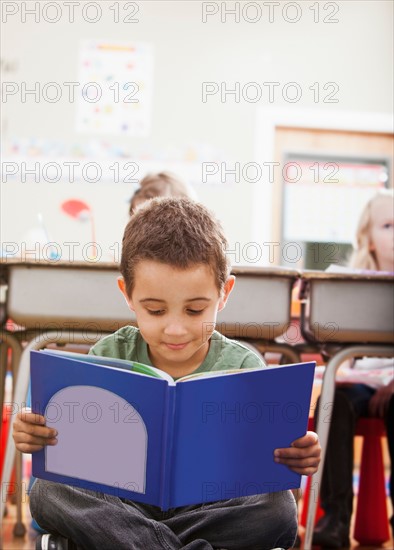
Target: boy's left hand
<point>303,456</point>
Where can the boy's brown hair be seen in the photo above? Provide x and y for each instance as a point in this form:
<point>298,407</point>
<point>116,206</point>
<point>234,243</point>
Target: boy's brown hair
<point>177,232</point>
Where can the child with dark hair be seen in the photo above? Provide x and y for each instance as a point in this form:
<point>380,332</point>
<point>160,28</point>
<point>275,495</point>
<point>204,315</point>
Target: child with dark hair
<point>175,277</point>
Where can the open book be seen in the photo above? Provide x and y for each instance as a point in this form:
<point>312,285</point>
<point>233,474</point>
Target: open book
<point>129,430</point>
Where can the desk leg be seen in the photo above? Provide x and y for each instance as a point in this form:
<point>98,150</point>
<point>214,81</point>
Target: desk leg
<point>324,421</point>
<point>20,392</point>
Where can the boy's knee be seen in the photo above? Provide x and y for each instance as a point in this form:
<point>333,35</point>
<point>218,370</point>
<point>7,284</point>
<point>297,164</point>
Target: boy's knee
<point>36,499</point>
<point>44,495</point>
<point>289,523</point>
<point>285,508</point>
<point>42,488</point>
<point>274,520</point>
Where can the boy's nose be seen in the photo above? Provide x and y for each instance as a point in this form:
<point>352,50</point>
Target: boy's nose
<point>175,328</point>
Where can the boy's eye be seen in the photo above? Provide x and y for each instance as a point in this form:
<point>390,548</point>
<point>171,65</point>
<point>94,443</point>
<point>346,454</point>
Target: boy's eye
<point>155,311</point>
<point>387,225</point>
<point>194,311</point>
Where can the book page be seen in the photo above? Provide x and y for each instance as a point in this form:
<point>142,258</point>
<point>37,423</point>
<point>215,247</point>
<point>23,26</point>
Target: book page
<point>112,362</point>
<point>225,372</point>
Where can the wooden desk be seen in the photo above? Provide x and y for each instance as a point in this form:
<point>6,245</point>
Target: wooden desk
<point>344,316</point>
<point>84,296</point>
<point>65,296</point>
<point>347,308</point>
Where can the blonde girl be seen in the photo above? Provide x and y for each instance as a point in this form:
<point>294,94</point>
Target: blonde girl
<point>374,247</point>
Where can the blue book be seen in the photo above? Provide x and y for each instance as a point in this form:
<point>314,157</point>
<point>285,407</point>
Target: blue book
<point>129,430</point>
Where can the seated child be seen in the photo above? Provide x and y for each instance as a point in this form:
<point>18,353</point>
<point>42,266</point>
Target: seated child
<point>160,184</point>
<point>374,251</point>
<point>175,277</point>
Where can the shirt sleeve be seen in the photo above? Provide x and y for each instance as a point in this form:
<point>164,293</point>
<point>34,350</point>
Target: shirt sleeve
<point>105,347</point>
<point>253,361</point>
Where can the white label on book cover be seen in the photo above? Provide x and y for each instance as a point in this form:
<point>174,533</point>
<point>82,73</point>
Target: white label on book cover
<point>91,423</point>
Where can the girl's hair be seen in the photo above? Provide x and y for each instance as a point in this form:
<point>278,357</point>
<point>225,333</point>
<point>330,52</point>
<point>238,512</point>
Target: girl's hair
<point>161,184</point>
<point>363,257</point>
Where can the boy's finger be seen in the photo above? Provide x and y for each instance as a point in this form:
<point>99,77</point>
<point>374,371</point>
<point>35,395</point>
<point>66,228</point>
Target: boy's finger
<point>309,450</point>
<point>299,463</point>
<point>35,430</point>
<point>27,448</point>
<point>298,452</point>
<point>306,440</point>
<point>23,438</point>
<point>32,418</point>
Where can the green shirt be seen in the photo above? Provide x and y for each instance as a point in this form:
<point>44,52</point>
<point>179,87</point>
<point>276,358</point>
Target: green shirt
<point>224,354</point>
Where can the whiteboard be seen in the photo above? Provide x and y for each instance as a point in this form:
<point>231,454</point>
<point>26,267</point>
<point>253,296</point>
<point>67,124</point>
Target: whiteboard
<point>323,198</point>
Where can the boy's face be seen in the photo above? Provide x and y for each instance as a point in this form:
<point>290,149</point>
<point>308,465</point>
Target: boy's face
<point>176,312</point>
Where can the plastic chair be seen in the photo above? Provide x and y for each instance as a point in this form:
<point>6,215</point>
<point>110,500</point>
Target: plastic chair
<point>371,525</point>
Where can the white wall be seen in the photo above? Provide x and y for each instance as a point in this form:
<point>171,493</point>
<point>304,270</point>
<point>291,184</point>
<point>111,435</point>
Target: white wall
<point>355,53</point>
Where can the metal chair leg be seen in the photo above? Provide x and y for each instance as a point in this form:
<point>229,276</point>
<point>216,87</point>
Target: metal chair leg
<point>324,420</point>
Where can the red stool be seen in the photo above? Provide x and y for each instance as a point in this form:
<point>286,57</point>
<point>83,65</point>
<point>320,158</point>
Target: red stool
<point>371,526</point>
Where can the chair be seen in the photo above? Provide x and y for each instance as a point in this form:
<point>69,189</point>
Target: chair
<point>344,316</point>
<point>371,525</point>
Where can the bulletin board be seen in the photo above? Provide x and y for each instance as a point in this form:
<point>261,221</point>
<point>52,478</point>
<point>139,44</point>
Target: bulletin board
<point>323,196</point>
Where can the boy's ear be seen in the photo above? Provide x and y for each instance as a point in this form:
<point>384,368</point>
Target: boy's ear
<point>122,288</point>
<point>228,287</point>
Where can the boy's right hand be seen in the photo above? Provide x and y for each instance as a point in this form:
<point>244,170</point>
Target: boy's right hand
<point>30,433</point>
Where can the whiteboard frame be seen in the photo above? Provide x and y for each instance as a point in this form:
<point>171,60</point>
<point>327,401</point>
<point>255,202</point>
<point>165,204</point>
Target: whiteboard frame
<point>268,119</point>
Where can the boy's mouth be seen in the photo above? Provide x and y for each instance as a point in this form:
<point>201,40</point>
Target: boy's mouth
<point>176,346</point>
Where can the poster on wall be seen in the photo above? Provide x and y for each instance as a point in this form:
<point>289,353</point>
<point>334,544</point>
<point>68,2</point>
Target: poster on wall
<point>116,80</point>
<point>323,199</point>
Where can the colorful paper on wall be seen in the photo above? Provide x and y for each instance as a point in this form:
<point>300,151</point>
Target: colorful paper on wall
<point>115,88</point>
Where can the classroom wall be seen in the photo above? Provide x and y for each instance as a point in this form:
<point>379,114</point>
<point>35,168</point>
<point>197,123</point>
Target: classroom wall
<point>354,53</point>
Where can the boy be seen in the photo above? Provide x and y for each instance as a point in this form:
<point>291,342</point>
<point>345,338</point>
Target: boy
<point>175,277</point>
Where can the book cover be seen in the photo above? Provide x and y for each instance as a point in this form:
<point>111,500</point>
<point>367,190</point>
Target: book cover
<point>129,430</point>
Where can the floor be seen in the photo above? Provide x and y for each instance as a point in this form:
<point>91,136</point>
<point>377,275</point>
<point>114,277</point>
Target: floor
<point>9,542</point>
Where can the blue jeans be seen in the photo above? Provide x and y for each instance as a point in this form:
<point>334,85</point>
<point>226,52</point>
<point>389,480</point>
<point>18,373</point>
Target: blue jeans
<point>95,521</point>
